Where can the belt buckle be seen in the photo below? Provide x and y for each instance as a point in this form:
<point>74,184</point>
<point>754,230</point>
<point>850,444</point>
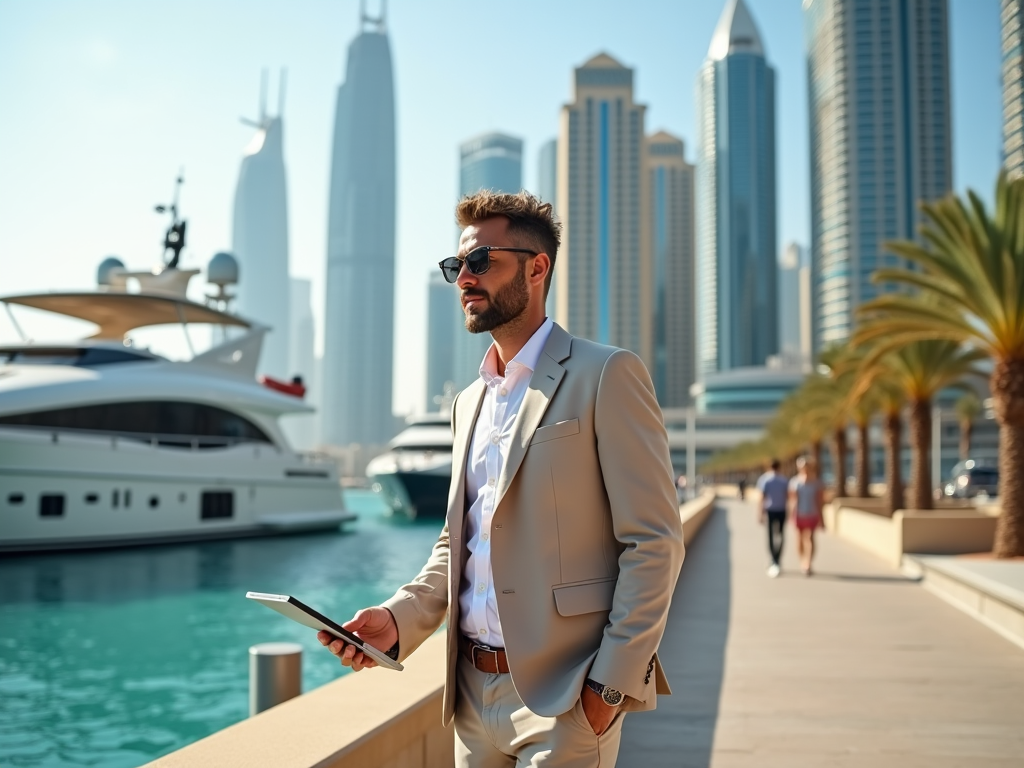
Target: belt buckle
<point>493,657</point>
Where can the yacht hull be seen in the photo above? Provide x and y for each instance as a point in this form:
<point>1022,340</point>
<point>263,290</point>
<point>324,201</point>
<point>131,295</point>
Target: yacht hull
<point>60,491</point>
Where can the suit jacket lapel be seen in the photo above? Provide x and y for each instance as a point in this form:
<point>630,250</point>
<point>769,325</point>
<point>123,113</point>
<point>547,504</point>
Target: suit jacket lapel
<point>466,413</point>
<point>543,384</point>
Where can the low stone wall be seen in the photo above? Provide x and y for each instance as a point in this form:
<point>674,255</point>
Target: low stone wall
<point>935,532</point>
<point>375,718</point>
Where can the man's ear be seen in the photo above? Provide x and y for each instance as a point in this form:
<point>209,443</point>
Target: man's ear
<point>541,267</point>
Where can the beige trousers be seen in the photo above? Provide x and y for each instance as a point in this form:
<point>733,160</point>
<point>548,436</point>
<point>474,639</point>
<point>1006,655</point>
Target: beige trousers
<point>494,729</point>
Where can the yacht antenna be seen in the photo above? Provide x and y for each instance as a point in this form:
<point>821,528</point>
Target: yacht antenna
<point>174,238</point>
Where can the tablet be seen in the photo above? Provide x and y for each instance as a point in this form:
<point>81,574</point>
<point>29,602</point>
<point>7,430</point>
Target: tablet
<point>298,611</point>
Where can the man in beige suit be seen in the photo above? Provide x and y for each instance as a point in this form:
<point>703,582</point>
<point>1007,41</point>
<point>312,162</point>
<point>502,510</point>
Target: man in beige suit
<point>562,544</point>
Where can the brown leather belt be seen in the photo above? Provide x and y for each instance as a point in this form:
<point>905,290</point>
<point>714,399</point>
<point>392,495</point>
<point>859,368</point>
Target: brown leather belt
<point>490,660</point>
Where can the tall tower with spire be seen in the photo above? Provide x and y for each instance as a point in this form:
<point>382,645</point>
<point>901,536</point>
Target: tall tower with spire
<point>736,262</point>
<point>260,234</point>
<point>360,297</point>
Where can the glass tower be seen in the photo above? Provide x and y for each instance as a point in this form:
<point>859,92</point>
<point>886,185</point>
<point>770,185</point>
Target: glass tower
<point>603,271</point>
<point>670,236</point>
<point>878,84</point>
<point>360,294</point>
<point>1012,14</point>
<point>492,161</point>
<point>736,266</point>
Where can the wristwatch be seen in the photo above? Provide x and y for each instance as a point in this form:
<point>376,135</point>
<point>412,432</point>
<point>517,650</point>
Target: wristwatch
<point>609,696</point>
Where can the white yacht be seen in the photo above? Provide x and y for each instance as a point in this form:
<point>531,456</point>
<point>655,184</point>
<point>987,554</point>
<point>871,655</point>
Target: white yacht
<point>414,474</point>
<point>105,444</point>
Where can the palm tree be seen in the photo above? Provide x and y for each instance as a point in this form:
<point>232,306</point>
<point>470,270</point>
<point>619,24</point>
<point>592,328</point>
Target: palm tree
<point>967,408</point>
<point>832,391</point>
<point>975,265</point>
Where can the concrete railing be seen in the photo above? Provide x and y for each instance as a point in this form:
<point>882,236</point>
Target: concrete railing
<point>375,718</point>
<point>935,532</point>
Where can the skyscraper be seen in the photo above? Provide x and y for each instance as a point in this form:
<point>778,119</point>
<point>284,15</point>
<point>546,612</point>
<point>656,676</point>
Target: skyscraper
<point>736,261</point>
<point>670,233</point>
<point>1012,14</point>
<point>360,296</point>
<point>301,430</point>
<point>880,141</point>
<point>795,305</point>
<point>491,161</point>
<point>443,323</point>
<point>260,235</point>
<point>602,271</point>
<point>547,190</point>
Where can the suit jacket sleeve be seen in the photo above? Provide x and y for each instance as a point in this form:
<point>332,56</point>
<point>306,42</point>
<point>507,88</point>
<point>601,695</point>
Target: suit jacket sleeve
<point>420,606</point>
<point>632,447</point>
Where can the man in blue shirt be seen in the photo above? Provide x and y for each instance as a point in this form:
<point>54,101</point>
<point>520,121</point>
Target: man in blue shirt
<point>774,488</point>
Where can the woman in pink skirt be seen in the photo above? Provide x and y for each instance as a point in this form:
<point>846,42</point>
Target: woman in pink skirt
<point>806,499</point>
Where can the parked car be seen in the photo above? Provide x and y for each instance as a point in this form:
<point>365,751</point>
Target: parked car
<point>970,478</point>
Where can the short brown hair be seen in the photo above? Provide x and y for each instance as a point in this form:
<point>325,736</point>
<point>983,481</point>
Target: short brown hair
<point>531,223</point>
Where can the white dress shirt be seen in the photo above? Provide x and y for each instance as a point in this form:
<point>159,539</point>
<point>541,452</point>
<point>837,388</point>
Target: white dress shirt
<point>488,452</point>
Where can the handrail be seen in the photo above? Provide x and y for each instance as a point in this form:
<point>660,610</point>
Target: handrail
<point>154,438</point>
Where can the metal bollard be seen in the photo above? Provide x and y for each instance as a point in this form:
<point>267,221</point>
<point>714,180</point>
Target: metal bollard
<point>275,675</point>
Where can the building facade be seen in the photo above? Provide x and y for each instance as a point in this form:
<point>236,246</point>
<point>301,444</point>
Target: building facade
<point>360,286</point>
<point>736,261</point>
<point>492,161</point>
<point>602,273</point>
<point>302,429</point>
<point>1012,17</point>
<point>671,240</point>
<point>260,238</point>
<point>444,321</point>
<point>878,85</point>
<point>795,306</point>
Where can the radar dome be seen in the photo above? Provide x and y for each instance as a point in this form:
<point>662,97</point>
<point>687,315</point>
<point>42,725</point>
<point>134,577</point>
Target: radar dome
<point>107,266</point>
<point>222,269</point>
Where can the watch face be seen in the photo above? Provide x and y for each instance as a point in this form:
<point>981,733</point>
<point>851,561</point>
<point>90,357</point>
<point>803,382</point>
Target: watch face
<point>611,697</point>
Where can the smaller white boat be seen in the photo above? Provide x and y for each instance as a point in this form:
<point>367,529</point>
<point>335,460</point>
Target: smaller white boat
<point>414,474</point>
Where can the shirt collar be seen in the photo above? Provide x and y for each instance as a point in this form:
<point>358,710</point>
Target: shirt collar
<point>527,357</point>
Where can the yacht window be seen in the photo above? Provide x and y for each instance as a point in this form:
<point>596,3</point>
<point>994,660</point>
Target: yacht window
<point>92,498</point>
<point>16,498</point>
<point>170,423</point>
<point>84,357</point>
<point>154,502</point>
<point>217,505</point>
<point>51,505</point>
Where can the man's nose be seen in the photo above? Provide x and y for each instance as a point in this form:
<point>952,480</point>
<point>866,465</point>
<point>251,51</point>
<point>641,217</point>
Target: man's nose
<point>466,278</point>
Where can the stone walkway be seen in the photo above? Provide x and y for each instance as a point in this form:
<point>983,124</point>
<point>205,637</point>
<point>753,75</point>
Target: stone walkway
<point>855,666</point>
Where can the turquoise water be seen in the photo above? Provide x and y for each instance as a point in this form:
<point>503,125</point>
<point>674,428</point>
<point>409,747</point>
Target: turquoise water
<point>114,658</point>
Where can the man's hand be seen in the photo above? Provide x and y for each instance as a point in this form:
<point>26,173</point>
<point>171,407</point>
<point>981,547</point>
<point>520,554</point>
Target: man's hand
<point>599,714</point>
<point>760,517</point>
<point>375,626</point>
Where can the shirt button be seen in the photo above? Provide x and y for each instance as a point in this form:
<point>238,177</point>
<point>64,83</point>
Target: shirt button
<point>481,588</point>
<point>504,391</point>
<point>490,481</point>
<point>483,631</point>
<point>495,438</point>
<point>485,536</point>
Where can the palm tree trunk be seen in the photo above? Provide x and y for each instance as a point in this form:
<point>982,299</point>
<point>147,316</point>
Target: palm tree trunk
<point>920,455</point>
<point>966,430</point>
<point>839,459</point>
<point>1007,384</point>
<point>863,462</point>
<point>893,469</point>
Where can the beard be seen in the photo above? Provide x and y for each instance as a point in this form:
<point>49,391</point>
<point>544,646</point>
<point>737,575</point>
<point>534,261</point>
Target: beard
<point>506,305</point>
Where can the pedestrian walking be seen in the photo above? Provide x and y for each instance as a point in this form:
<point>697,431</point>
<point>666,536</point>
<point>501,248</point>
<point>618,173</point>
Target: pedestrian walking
<point>562,543</point>
<point>774,488</point>
<point>806,500</point>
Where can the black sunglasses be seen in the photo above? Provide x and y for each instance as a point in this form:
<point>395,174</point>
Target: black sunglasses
<point>478,261</point>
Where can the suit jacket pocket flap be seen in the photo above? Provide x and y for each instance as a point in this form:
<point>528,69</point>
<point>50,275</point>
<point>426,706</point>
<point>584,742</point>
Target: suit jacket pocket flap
<point>553,431</point>
<point>575,599</point>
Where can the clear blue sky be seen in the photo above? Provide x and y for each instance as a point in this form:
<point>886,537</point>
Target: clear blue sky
<point>104,100</point>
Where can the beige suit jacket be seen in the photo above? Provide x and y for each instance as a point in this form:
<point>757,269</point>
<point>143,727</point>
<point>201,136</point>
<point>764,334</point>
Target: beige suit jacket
<point>586,541</point>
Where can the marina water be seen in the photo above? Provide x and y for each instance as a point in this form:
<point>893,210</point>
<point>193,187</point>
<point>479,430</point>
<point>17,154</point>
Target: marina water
<point>113,658</point>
